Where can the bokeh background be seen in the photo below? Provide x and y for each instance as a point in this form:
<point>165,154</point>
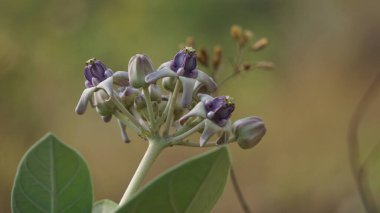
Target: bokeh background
<point>326,53</point>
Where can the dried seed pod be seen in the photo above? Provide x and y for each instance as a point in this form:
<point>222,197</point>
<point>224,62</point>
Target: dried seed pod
<point>260,44</point>
<point>217,57</point>
<point>190,42</point>
<point>246,66</point>
<point>236,32</point>
<point>266,65</point>
<point>202,57</point>
<point>248,35</point>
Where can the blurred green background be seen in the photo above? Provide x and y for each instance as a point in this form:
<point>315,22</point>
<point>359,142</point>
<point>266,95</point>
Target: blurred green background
<point>326,53</point>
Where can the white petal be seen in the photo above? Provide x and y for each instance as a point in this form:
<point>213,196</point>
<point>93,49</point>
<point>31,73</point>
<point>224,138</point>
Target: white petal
<point>198,110</point>
<point>121,78</point>
<point>164,72</point>
<point>107,86</point>
<point>187,88</point>
<point>84,99</point>
<point>210,129</point>
<point>207,81</point>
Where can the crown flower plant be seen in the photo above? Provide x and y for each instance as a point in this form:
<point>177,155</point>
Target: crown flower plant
<point>173,105</point>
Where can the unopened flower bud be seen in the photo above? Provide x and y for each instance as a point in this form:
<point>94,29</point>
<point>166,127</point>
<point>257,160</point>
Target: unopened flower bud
<point>155,92</point>
<point>236,32</point>
<point>168,83</point>
<point>127,95</point>
<point>95,72</point>
<point>260,44</point>
<point>139,66</point>
<point>103,105</point>
<point>140,102</point>
<point>249,131</point>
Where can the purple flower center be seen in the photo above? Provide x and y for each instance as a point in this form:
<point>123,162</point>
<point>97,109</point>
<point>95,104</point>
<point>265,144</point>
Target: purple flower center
<point>219,109</point>
<point>185,61</point>
<point>95,72</point>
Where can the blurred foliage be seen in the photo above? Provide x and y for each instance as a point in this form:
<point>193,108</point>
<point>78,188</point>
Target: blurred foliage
<point>326,54</point>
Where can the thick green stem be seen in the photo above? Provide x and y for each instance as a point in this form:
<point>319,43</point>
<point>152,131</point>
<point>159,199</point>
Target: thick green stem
<point>171,105</point>
<point>154,149</point>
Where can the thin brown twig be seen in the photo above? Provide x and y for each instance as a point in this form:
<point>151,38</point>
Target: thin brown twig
<point>239,194</point>
<point>353,145</point>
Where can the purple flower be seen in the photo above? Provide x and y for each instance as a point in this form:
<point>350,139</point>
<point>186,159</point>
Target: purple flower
<point>219,109</point>
<point>95,72</point>
<point>185,63</point>
<point>184,68</point>
<point>217,112</point>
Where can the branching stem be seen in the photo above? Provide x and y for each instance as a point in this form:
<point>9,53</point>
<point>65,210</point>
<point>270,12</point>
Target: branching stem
<point>171,105</point>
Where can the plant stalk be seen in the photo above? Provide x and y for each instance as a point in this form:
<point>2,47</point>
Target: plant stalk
<point>154,149</point>
<point>150,108</point>
<point>171,105</point>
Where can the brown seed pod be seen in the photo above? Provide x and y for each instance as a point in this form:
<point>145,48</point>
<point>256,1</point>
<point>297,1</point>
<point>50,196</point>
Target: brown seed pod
<point>260,44</point>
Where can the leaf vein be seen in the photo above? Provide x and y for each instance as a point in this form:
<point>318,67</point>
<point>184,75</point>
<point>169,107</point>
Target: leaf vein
<point>30,199</point>
<point>71,181</point>
<point>35,178</point>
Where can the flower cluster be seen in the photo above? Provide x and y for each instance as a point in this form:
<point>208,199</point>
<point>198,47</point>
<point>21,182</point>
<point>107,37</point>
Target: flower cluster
<point>172,102</point>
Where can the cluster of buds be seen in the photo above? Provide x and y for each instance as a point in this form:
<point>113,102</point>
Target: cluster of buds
<point>172,102</point>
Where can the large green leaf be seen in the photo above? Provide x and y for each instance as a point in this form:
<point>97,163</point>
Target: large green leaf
<point>104,206</point>
<point>52,177</point>
<point>192,187</point>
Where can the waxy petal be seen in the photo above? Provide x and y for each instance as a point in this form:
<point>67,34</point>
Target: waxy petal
<point>154,76</point>
<point>207,81</point>
<point>187,88</point>
<point>107,86</point>
<point>84,99</point>
<point>209,130</point>
<point>198,110</point>
<point>124,135</point>
<point>204,97</point>
<point>121,78</point>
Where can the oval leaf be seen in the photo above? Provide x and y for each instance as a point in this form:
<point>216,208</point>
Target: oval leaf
<point>104,206</point>
<point>193,186</point>
<point>52,177</point>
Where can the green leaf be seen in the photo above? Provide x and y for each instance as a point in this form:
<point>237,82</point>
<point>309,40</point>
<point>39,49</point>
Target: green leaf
<point>52,177</point>
<point>104,206</point>
<point>192,187</point>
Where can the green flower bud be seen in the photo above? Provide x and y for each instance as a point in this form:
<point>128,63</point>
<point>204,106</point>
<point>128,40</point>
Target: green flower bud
<point>155,92</point>
<point>104,106</point>
<point>139,66</point>
<point>249,131</point>
<point>168,83</point>
<point>140,102</point>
